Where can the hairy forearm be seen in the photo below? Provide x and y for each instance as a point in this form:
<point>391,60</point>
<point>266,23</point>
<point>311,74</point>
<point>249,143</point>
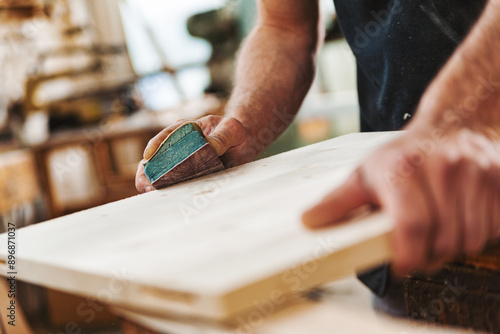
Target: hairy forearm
<point>274,72</point>
<point>466,92</point>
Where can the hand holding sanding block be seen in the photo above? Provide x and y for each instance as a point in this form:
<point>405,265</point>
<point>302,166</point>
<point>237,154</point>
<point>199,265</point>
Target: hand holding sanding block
<point>184,155</point>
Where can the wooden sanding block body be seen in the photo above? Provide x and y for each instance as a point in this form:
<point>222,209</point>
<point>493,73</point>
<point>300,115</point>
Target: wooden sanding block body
<point>184,155</point>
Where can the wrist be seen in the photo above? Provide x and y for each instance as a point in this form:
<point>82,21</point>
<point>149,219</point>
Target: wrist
<point>460,100</point>
<point>237,152</point>
<point>454,118</point>
<point>262,128</point>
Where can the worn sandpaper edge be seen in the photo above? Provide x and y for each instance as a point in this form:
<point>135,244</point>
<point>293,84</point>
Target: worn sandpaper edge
<point>179,163</point>
<point>195,126</point>
<point>161,182</point>
<point>174,155</point>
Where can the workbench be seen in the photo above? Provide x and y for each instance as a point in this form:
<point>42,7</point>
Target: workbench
<point>225,253</point>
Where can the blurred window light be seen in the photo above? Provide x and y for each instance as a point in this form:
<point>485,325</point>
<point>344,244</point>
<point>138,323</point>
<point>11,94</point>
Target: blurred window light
<point>158,24</point>
<point>166,22</point>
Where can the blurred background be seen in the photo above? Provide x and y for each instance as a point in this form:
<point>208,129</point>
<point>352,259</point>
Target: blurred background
<point>84,84</point>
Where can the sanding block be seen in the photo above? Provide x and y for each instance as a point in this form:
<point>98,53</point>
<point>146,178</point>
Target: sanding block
<point>184,155</point>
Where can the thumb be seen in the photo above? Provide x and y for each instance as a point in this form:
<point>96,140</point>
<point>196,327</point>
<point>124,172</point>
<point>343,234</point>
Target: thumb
<point>228,133</point>
<point>336,205</point>
<point>157,140</point>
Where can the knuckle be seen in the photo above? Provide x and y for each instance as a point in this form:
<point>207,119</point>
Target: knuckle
<point>470,168</point>
<point>415,227</point>
<point>179,122</point>
<point>461,160</point>
<point>212,119</point>
<point>209,123</point>
<point>233,123</point>
<point>222,138</point>
<point>406,157</point>
<point>449,161</point>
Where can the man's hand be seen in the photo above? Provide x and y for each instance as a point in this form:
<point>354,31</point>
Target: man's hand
<point>227,136</point>
<point>443,193</point>
<point>440,181</point>
<point>274,71</point>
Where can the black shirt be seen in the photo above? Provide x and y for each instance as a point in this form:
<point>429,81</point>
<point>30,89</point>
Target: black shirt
<point>400,46</point>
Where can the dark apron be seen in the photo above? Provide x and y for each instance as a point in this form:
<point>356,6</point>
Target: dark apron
<point>400,46</point>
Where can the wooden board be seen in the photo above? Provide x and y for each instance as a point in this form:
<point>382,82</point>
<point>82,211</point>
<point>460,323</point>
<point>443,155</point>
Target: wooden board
<point>213,247</point>
<point>339,309</point>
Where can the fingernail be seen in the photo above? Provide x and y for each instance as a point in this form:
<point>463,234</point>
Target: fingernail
<point>148,152</point>
<point>147,189</point>
<point>306,217</point>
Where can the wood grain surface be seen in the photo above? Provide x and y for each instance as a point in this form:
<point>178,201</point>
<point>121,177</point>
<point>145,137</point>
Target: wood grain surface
<point>214,247</point>
<point>343,307</point>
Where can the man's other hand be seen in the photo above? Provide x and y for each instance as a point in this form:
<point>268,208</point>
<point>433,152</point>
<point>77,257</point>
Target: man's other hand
<point>443,193</point>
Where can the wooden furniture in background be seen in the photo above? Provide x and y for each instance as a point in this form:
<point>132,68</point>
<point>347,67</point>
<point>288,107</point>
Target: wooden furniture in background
<point>19,190</point>
<point>20,3</point>
<point>84,168</point>
<point>91,166</point>
<point>18,183</point>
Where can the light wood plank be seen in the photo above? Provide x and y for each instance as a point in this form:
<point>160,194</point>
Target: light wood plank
<point>212,247</point>
<point>345,308</point>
